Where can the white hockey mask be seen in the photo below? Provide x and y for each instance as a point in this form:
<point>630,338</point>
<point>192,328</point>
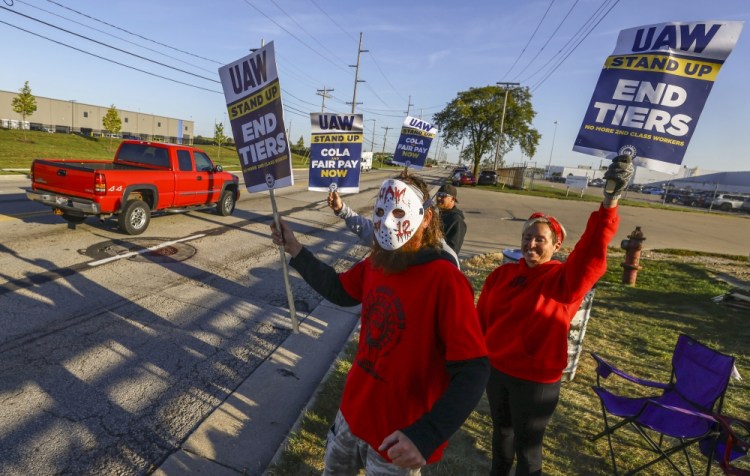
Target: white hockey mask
<point>397,215</point>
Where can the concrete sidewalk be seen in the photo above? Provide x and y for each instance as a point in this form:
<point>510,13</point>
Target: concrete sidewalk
<point>243,435</point>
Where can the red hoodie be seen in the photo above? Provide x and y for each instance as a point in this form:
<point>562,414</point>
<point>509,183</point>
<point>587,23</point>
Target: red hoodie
<point>526,312</point>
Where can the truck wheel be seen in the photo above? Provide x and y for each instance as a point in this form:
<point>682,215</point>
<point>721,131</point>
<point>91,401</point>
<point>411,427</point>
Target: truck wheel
<point>75,219</point>
<point>725,207</point>
<point>225,207</point>
<point>135,217</point>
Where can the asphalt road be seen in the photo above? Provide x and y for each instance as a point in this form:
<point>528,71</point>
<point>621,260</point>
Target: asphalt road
<point>115,348</point>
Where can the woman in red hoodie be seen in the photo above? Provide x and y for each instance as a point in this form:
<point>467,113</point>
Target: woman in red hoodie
<point>525,309</point>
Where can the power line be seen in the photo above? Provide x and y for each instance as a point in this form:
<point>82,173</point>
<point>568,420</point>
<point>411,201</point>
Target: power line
<point>109,46</point>
<point>371,55</point>
<point>324,92</point>
<point>530,38</point>
<point>110,60</point>
<point>385,77</point>
<point>539,83</point>
<point>369,111</point>
<point>111,35</point>
<point>306,32</point>
<point>570,10</point>
<point>333,21</point>
<point>131,33</point>
<point>570,41</point>
<point>295,36</point>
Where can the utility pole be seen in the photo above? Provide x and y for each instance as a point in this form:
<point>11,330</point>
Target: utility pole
<point>408,106</point>
<point>356,73</point>
<point>507,87</point>
<point>372,148</point>
<point>324,92</point>
<point>384,138</point>
<point>549,165</point>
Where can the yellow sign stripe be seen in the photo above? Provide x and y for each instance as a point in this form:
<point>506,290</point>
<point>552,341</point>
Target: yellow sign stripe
<point>252,103</point>
<point>684,67</point>
<point>339,138</point>
<point>417,132</point>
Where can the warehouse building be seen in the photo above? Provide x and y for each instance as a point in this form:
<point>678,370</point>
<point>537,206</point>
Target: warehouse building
<point>73,117</point>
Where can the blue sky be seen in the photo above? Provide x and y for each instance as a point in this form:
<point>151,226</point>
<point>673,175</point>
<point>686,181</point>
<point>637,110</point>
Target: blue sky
<point>426,51</point>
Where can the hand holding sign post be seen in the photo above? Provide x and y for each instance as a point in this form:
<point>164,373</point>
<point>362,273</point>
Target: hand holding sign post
<point>652,90</point>
<point>253,95</point>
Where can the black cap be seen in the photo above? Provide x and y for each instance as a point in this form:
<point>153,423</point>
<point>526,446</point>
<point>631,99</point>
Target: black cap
<point>449,189</point>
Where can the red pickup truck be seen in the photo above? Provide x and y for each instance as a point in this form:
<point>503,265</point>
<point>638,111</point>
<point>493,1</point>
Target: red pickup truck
<point>144,177</point>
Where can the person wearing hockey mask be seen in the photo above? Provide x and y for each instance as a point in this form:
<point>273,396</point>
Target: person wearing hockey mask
<point>421,362</point>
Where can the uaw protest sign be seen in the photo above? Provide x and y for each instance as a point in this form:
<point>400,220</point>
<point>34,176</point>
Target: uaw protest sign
<point>414,142</point>
<point>253,97</point>
<point>335,152</point>
<point>652,90</point>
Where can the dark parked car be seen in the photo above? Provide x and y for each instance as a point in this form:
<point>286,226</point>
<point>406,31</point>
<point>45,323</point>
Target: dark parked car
<point>678,196</point>
<point>487,177</point>
<point>464,178</point>
<point>597,182</point>
<point>702,199</point>
<point>635,187</point>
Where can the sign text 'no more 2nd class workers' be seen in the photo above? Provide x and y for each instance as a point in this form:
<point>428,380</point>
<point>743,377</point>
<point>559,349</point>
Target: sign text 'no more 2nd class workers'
<point>253,95</point>
<point>652,90</point>
<point>335,152</point>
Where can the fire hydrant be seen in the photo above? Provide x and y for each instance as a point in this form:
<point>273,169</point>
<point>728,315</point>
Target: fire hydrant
<point>633,246</point>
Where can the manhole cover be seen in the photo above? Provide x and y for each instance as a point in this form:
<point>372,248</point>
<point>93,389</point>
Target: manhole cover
<point>145,250</point>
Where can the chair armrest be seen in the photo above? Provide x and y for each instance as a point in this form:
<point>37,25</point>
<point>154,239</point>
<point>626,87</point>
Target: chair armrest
<point>692,412</point>
<point>604,369</point>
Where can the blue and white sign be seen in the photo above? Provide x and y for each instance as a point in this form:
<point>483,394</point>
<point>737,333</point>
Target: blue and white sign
<point>652,90</point>
<point>253,96</point>
<point>414,142</point>
<point>335,152</point>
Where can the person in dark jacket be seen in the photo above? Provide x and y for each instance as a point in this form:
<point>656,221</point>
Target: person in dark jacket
<point>421,362</point>
<point>454,225</point>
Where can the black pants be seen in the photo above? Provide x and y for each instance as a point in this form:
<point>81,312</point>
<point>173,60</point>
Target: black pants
<point>520,411</point>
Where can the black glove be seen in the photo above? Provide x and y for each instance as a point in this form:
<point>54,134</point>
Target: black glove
<point>618,176</point>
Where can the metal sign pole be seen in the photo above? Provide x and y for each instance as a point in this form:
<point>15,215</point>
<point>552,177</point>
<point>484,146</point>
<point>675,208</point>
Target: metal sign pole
<point>284,267</point>
<point>282,254</point>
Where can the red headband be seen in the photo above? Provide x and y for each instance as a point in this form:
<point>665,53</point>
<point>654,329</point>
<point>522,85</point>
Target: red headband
<point>552,222</point>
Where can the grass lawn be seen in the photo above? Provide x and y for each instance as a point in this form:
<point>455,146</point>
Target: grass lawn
<point>634,327</point>
<point>19,148</point>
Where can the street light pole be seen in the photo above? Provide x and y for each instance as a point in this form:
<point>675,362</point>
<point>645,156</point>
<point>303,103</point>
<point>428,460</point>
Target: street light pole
<point>549,165</point>
<point>507,87</point>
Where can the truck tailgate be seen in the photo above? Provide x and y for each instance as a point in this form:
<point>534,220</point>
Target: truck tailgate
<point>69,178</point>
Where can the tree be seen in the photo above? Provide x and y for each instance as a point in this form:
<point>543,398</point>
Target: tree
<point>112,123</point>
<point>299,146</point>
<point>24,104</point>
<point>219,137</point>
<point>475,116</point>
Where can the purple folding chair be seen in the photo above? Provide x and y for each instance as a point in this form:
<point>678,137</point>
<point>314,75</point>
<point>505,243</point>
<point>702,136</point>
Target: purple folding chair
<point>699,379</point>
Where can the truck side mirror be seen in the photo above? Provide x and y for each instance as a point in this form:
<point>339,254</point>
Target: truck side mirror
<point>218,168</point>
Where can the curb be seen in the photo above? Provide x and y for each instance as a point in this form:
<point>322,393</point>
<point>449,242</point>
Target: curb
<point>249,429</point>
